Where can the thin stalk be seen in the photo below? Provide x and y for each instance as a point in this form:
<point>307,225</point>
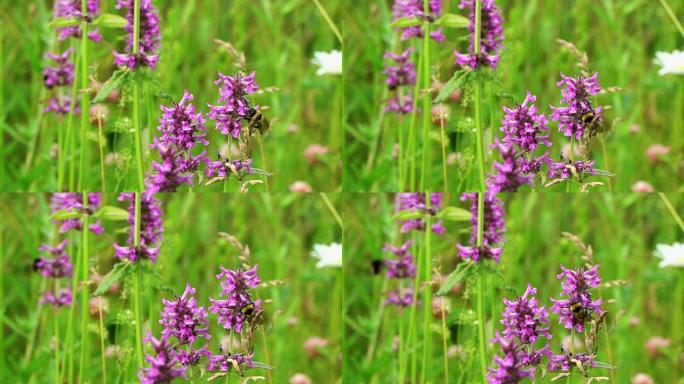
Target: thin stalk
<point>572,348</point>
<point>427,293</point>
<point>602,140</point>
<point>445,344</point>
<point>442,141</point>
<point>332,209</point>
<point>670,13</point>
<point>102,346</point>
<point>72,319</point>
<point>2,304</point>
<point>402,343</point>
<point>370,353</point>
<point>410,160</point>
<point>2,134</point>
<point>70,144</point>
<point>478,101</point>
<point>85,104</point>
<point>328,20</point>
<point>55,323</point>
<point>136,286</point>
<point>481,289</point>
<point>672,210</point>
<point>136,101</point>
<point>412,332</point>
<point>571,155</point>
<point>84,292</point>
<point>424,181</point>
<point>100,141</point>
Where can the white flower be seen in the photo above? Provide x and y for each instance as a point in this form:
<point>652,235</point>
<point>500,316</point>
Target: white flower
<point>328,255</point>
<point>671,255</point>
<point>328,63</point>
<point>671,62</point>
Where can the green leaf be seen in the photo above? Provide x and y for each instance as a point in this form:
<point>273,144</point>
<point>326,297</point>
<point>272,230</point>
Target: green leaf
<point>108,20</point>
<point>407,215</point>
<point>453,84</point>
<point>116,274</point>
<point>457,275</point>
<point>406,22</point>
<point>112,213</point>
<point>63,22</point>
<point>454,214</point>
<point>65,214</point>
<point>451,20</point>
<point>111,84</point>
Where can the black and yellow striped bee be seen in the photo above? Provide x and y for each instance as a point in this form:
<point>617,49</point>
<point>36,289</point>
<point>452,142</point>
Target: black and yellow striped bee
<point>592,122</point>
<point>257,121</point>
<point>579,312</point>
<point>377,265</point>
<point>252,314</point>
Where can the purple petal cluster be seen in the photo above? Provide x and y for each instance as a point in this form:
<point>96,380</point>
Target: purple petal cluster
<point>416,202</point>
<point>151,228</point>
<point>401,74</point>
<point>150,36</point>
<point>415,9</point>
<point>576,105</point>
<point>181,125</point>
<point>62,74</point>
<point>73,202</point>
<point>491,35</point>
<point>565,362</point>
<point>525,127</point>
<point>494,228</point>
<point>564,169</point>
<point>60,106</point>
<point>576,285</point>
<point>401,267</point>
<point>402,105</point>
<point>163,363</point>
<point>509,367</point>
<point>58,265</point>
<point>61,299</point>
<point>221,168</point>
<point>400,297</point>
<point>183,319</point>
<point>71,9</point>
<point>509,173</point>
<point>228,361</point>
<point>524,319</point>
<point>233,105</point>
<point>235,290</point>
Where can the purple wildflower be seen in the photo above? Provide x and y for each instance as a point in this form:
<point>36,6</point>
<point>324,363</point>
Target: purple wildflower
<point>491,35</point>
<point>402,267</point>
<point>401,298</point>
<point>234,106</point>
<point>509,368</point>
<point>176,168</point>
<point>494,228</point>
<point>402,107</point>
<point>162,364</point>
<point>181,125</point>
<point>193,356</point>
<point>403,73</point>
<point>415,202</point>
<point>62,299</point>
<point>151,228</point>
<point>571,117</point>
<point>566,170</point>
<point>228,361</point>
<point>57,266</point>
<point>222,168</point>
<point>235,288</point>
<point>509,174</point>
<point>182,318</point>
<point>524,319</point>
<point>524,127</point>
<point>60,106</point>
<point>576,284</point>
<point>415,9</point>
<point>565,362</point>
<point>62,73</point>
<point>73,202</point>
<point>71,9</point>
<point>150,35</point>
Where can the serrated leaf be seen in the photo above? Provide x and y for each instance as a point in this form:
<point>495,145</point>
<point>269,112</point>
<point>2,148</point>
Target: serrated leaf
<point>112,213</point>
<point>407,21</point>
<point>457,275</point>
<point>111,84</point>
<point>454,214</point>
<point>63,22</point>
<point>65,214</point>
<point>109,20</point>
<point>407,215</point>
<point>453,84</point>
<point>115,275</point>
<point>451,20</point>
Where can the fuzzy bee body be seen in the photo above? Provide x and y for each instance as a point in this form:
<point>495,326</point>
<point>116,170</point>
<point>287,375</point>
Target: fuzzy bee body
<point>257,121</point>
<point>592,122</point>
<point>579,312</point>
<point>377,265</point>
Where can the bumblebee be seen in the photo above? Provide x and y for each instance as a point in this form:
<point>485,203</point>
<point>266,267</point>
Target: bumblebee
<point>579,312</point>
<point>257,121</point>
<point>251,313</point>
<point>376,266</point>
<point>592,122</point>
<point>36,264</point>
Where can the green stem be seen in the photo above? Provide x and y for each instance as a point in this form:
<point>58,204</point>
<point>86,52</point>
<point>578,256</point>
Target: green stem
<point>2,130</point>
<point>85,103</point>
<point>424,180</point>
<point>332,209</point>
<point>478,101</point>
<point>412,328</point>
<point>442,141</point>
<point>571,155</point>
<point>136,102</point>
<point>84,292</point>
<point>102,345</point>
<point>136,288</point>
<point>2,304</point>
<point>481,289</point>
<point>672,16</point>
<point>72,319</point>
<point>410,158</point>
<point>427,293</point>
<point>572,349</point>
<point>672,210</point>
<point>70,144</point>
<point>100,140</point>
<point>328,20</point>
<point>56,336</point>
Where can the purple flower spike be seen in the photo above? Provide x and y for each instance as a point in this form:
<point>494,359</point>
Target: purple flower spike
<point>494,228</point>
<point>415,202</point>
<point>62,299</point>
<point>192,357</point>
<point>151,228</point>
<point>491,35</point>
<point>60,106</point>
<point>71,9</point>
<point>404,107</point>
<point>509,174</point>
<point>415,9</point>
<point>524,127</point>
<point>404,73</point>
<point>401,267</point>
<point>73,202</point>
<point>576,285</point>
<point>565,362</point>
<point>181,125</point>
<point>162,364</point>
<point>564,170</point>
<point>235,288</point>
<point>224,168</point>
<point>57,266</point>
<point>577,114</point>
<point>234,106</point>
<point>226,362</point>
<point>182,318</point>
<point>150,36</point>
<point>62,74</point>
<point>510,366</point>
<point>401,299</point>
<point>524,319</point>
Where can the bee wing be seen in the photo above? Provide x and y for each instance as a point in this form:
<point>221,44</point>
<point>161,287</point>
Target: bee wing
<point>259,171</point>
<point>601,172</point>
<point>262,365</point>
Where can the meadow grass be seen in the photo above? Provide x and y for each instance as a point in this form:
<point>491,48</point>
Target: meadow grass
<point>278,228</point>
<point>278,40</point>
<point>623,229</point>
<point>620,38</point>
